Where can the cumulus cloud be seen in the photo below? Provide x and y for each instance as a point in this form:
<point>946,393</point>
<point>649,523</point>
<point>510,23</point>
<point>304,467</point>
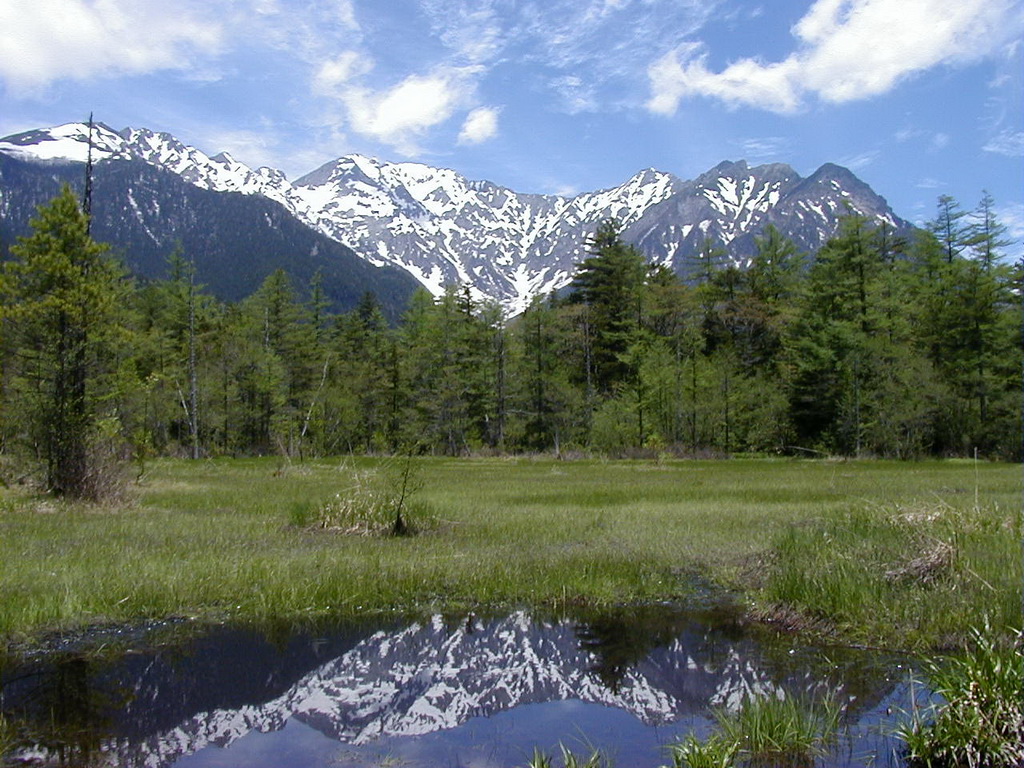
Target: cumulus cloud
<point>481,124</point>
<point>399,115</point>
<point>846,50</point>
<point>48,40</point>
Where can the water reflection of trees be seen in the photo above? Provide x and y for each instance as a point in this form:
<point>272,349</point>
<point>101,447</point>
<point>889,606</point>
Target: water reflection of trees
<point>70,715</point>
<point>621,638</point>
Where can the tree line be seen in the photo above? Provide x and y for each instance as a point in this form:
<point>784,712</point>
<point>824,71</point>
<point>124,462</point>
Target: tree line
<point>878,346</point>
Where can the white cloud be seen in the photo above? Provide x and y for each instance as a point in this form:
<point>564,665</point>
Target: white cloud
<point>576,95</point>
<point>1007,142</point>
<point>335,73</point>
<point>765,148</point>
<point>1012,217</point>
<point>481,124</point>
<point>401,114</point>
<point>847,50</point>
<point>48,40</point>
<point>603,44</point>
<point>684,72</point>
<point>863,160</point>
<point>935,141</point>
<point>471,30</point>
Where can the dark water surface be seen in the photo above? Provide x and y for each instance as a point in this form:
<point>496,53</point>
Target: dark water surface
<point>465,691</point>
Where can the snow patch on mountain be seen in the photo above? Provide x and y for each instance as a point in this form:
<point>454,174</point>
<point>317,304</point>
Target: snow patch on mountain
<point>507,247</point>
<point>433,676</point>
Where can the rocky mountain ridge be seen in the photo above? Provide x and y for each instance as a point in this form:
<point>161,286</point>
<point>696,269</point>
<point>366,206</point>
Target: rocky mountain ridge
<point>444,229</point>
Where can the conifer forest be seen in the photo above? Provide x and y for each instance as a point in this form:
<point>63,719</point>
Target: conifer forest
<point>875,346</point>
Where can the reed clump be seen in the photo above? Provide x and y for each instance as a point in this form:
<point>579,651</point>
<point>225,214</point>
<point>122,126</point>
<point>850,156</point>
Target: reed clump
<point>377,502</point>
<point>980,721</point>
<point>595,758</point>
<point>764,731</point>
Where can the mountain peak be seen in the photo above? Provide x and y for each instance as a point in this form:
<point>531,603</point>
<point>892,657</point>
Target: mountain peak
<point>445,229</point>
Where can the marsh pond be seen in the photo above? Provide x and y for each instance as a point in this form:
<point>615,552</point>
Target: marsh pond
<point>439,691</point>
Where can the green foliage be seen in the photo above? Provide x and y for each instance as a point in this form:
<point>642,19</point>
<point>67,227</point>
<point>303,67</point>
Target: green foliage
<point>61,300</point>
<point>877,347</point>
<point>570,759</point>
<point>871,572</point>
<point>609,283</point>
<point>765,730</point>
<point>981,720</point>
<point>7,736</point>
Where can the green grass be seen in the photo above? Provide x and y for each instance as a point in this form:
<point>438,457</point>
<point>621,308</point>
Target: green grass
<point>921,572</point>
<point>222,538</point>
<point>764,731</point>
<point>594,759</point>
<point>780,731</point>
<point>981,721</point>
<point>714,752</point>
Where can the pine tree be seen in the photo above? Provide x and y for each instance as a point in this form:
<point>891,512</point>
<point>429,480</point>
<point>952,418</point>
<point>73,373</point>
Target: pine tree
<point>61,297</point>
<point>949,229</point>
<point>610,283</point>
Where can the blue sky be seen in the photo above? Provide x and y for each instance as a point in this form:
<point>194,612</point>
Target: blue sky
<point>918,97</point>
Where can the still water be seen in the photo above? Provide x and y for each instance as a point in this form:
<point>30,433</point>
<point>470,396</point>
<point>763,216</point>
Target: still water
<point>439,691</point>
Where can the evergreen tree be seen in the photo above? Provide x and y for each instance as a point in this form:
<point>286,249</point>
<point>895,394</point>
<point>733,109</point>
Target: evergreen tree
<point>61,298</point>
<point>949,229</point>
<point>610,283</point>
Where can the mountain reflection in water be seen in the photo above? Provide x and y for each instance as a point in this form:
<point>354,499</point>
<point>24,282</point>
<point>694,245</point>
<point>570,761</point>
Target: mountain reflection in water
<point>472,690</point>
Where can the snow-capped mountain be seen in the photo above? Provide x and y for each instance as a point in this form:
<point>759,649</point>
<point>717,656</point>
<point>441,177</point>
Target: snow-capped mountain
<point>447,230</point>
<point>365,687</point>
<point>507,246</point>
<point>434,675</point>
<point>152,195</point>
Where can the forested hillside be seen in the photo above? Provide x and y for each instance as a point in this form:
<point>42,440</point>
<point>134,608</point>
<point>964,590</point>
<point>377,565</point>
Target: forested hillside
<point>880,346</point>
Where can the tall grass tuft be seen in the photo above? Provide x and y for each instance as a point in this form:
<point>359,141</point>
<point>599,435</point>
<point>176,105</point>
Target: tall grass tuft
<point>768,730</point>
<point>716,752</point>
<point>379,502</point>
<point>981,722</point>
<point>595,759</point>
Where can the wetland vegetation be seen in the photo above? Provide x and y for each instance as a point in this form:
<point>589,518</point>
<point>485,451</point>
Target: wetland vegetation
<point>895,554</point>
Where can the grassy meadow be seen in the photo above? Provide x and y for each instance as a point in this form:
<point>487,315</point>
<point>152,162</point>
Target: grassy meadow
<point>903,555</point>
